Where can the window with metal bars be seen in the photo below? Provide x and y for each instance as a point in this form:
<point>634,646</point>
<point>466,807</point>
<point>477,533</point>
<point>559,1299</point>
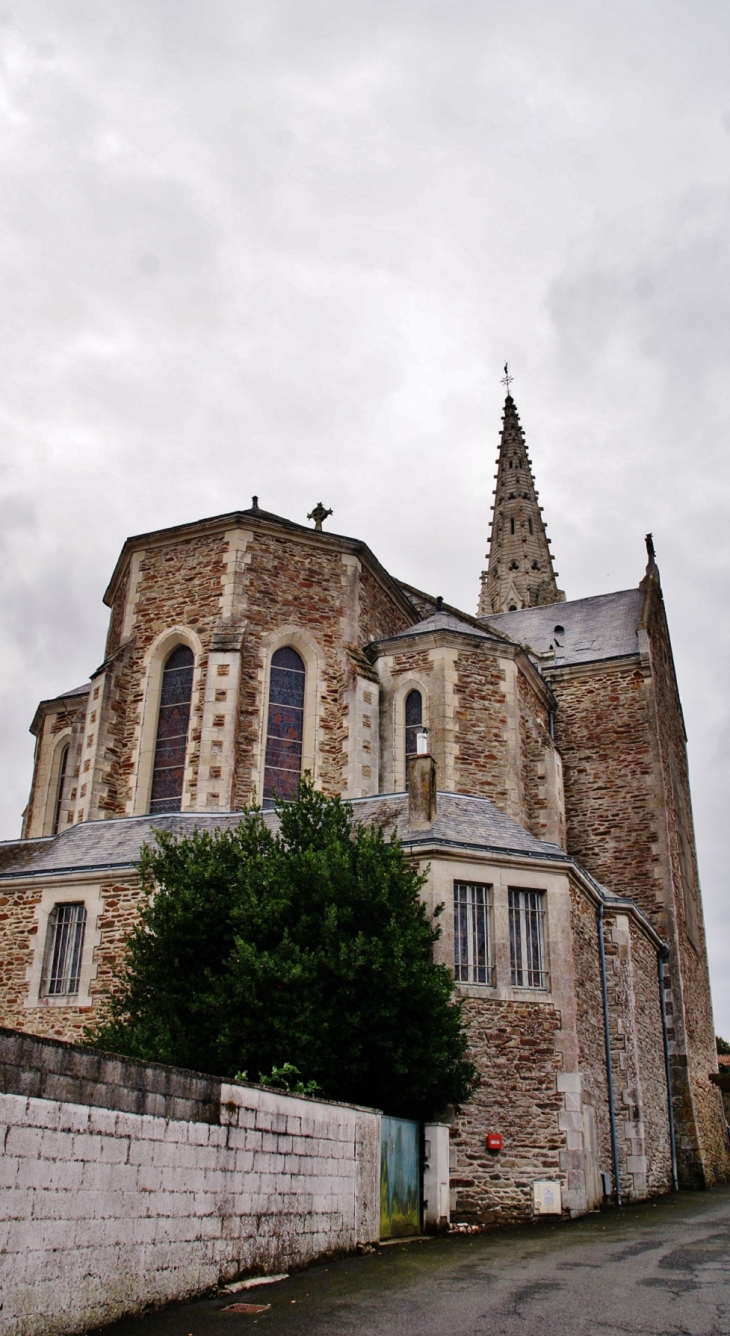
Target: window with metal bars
<point>172,731</point>
<point>414,724</point>
<point>472,932</point>
<point>527,939</point>
<point>284,726</point>
<point>66,929</point>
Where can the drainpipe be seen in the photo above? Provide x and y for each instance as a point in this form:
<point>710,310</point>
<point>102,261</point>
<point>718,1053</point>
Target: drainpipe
<point>609,1068</point>
<point>662,957</point>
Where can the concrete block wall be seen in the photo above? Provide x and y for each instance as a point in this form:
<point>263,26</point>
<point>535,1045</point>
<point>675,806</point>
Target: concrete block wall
<point>106,1207</point>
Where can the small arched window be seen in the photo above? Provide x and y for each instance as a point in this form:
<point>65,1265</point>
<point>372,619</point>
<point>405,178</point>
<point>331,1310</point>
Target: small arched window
<point>59,792</point>
<point>284,726</point>
<point>530,524</point>
<point>512,524</point>
<point>172,731</point>
<point>414,724</point>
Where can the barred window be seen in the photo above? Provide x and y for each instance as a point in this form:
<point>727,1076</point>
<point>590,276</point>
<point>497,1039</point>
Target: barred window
<point>66,929</point>
<point>472,932</point>
<point>414,723</point>
<point>284,726</point>
<point>527,938</point>
<point>172,731</point>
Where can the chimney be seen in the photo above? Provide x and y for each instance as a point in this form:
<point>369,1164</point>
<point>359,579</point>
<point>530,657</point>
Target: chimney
<point>421,787</point>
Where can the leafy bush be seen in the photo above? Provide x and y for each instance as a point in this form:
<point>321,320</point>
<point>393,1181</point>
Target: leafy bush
<point>308,947</point>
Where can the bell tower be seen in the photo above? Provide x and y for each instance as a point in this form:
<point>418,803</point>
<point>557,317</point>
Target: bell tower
<point>520,570</point>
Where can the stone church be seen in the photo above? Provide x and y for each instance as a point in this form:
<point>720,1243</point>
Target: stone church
<point>531,757</point>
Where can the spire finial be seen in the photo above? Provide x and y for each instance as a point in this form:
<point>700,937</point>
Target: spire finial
<point>506,379</point>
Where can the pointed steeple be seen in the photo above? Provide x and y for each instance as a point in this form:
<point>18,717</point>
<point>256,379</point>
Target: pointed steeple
<point>520,573</point>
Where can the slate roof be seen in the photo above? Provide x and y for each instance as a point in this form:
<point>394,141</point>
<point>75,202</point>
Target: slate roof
<point>103,846</point>
<point>603,627</point>
<point>441,621</point>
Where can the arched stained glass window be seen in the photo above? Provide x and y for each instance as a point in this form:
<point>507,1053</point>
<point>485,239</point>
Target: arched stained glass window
<point>284,723</point>
<point>172,731</point>
<point>414,723</point>
<point>59,793</point>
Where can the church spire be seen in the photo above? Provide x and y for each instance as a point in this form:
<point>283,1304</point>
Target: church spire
<point>520,572</point>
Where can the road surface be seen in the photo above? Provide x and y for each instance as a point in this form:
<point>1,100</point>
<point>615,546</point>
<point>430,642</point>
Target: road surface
<point>661,1267</point>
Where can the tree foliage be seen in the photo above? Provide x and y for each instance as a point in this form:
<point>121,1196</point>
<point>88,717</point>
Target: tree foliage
<point>307,945</point>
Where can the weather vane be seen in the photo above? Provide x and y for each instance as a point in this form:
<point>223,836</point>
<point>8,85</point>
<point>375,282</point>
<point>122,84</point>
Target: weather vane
<point>507,379</point>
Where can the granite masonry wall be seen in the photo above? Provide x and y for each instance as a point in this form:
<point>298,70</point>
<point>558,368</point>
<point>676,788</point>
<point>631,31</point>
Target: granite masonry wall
<point>698,1102</point>
<point>620,732</point>
<point>514,1046</point>
<point>119,899</point>
<point>126,1184</point>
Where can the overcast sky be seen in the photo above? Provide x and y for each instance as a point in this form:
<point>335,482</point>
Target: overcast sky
<point>284,247</point>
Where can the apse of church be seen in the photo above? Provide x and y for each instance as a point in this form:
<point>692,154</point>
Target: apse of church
<point>245,650</point>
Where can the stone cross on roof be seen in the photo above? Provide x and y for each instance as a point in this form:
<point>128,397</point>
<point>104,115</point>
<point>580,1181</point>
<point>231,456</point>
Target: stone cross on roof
<point>318,515</point>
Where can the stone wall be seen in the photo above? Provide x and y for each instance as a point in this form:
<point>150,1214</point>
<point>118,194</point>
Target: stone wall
<point>514,1046</point>
<point>126,1184</point>
<point>41,1016</point>
<point>602,734</point>
<point>702,1141</point>
<point>483,753</point>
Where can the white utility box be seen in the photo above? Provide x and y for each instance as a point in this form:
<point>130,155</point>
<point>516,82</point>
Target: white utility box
<point>546,1198</point>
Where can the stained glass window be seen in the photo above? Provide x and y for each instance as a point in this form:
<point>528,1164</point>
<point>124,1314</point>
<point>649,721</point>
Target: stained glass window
<point>172,731</point>
<point>59,793</point>
<point>284,724</point>
<point>414,723</point>
<point>66,929</point>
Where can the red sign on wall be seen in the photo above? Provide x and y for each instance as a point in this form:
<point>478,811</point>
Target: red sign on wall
<point>494,1141</point>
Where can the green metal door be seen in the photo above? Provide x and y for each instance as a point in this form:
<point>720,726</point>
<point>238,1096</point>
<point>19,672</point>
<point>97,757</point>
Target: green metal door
<point>400,1178</point>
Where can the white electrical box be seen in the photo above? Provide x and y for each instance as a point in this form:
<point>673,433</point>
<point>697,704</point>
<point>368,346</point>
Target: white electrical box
<point>546,1198</point>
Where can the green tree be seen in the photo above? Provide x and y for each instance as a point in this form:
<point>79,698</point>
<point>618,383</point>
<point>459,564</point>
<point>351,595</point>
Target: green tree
<point>722,1045</point>
<point>309,946</point>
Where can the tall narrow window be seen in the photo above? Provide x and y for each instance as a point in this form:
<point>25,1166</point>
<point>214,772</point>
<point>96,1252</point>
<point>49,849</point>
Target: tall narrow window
<point>59,794</point>
<point>512,524</point>
<point>284,726</point>
<point>414,723</point>
<point>527,939</point>
<point>65,945</point>
<point>172,731</point>
<point>472,933</point>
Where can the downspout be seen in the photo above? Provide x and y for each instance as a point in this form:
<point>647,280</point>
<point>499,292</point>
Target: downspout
<point>662,956</point>
<point>609,1068</point>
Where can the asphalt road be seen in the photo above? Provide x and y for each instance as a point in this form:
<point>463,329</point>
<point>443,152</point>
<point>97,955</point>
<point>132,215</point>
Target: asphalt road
<point>662,1267</point>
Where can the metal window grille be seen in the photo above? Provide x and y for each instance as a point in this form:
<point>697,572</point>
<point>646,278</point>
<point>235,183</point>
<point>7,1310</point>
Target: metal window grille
<point>472,933</point>
<point>527,939</point>
<point>65,944</point>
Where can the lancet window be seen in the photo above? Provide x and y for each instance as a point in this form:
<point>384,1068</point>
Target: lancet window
<point>414,724</point>
<point>284,726</point>
<point>59,792</point>
<point>172,731</point>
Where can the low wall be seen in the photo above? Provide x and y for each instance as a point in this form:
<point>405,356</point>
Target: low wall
<point>124,1184</point>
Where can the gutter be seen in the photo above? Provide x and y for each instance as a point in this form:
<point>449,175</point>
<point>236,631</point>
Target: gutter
<point>661,959</point>
<point>609,1068</point>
